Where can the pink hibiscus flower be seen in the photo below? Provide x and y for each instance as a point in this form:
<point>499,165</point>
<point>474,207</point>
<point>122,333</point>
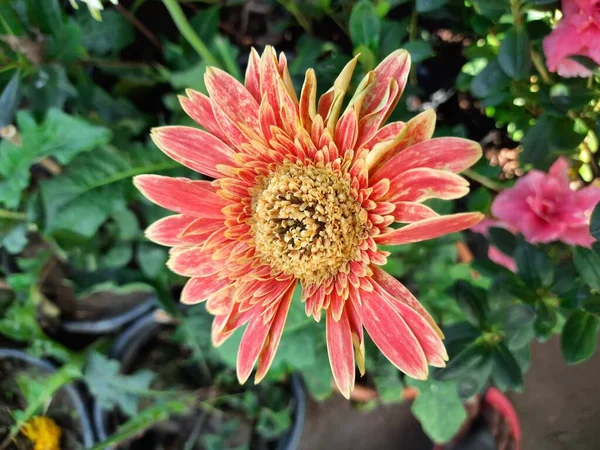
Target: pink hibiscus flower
<point>577,34</point>
<point>544,208</point>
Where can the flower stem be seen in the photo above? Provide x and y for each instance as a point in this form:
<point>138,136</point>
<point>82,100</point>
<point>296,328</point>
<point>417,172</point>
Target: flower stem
<point>539,65</point>
<point>188,32</point>
<point>11,215</point>
<point>484,181</point>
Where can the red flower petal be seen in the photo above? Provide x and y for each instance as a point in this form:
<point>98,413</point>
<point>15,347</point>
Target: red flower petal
<point>232,97</point>
<point>408,212</point>
<point>195,149</point>
<point>346,131</point>
<point>198,107</point>
<point>399,293</point>
<point>356,328</point>
<point>221,301</point>
<point>195,198</point>
<point>417,185</point>
<point>341,352</point>
<point>166,231</point>
<point>267,354</point>
<point>419,129</point>
<point>430,341</point>
<point>395,67</point>
<point>253,75</point>
<point>387,133</point>
<point>447,153</point>
<point>392,336</point>
<point>250,346</point>
<point>193,262</point>
<point>197,290</point>
<point>430,228</point>
<point>308,96</point>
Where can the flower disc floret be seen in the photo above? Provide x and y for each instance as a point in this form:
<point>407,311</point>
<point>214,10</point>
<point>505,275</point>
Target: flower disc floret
<point>307,222</point>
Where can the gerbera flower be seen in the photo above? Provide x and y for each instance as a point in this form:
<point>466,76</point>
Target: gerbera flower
<point>306,192</point>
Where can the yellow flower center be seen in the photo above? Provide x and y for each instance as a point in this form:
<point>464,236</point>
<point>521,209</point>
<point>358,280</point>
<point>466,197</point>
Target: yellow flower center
<point>307,222</point>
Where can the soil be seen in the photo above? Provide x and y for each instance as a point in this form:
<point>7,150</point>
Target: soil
<point>60,408</point>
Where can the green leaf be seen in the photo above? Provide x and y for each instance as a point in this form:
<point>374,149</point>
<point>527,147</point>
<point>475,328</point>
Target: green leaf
<point>93,187</point>
<point>587,263</point>
<point>190,78</point>
<point>419,50</point>
<point>60,135</point>
<point>46,15</point>
<point>592,304</point>
<point>480,200</point>
<point>586,62</point>
<point>151,259</point>
<point>473,302</point>
<point>570,97</point>
<point>513,55</point>
<point>545,321</point>
<point>144,420</point>
<point>9,21</point>
<point>206,23</point>
<point>38,392</point>
<point>51,88</point>
<point>476,379</point>
<point>387,383</point>
<point>517,323</point>
<point>547,138</point>
<point>113,389</point>
<point>272,424</point>
<point>110,36</point>
<point>595,223</point>
<point>365,25</point>
<point>116,257</point>
<point>503,239</point>
<point>425,6</point>
<point>317,377</point>
<point>392,35</point>
<point>64,47</point>
<point>579,337</point>
<point>491,80</point>
<point>15,240</point>
<point>492,9</point>
<point>9,100</point>
<point>439,408</point>
<point>507,372</point>
<point>533,265</point>
<point>473,355</point>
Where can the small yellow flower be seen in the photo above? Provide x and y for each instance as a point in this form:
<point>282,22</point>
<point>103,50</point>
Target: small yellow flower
<point>43,432</point>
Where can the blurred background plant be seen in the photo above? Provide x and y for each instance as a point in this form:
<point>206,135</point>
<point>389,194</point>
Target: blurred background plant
<point>78,97</point>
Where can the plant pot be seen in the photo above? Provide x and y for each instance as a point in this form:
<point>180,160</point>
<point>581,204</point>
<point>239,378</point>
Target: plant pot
<point>100,313</point>
<point>78,425</point>
<point>138,335</point>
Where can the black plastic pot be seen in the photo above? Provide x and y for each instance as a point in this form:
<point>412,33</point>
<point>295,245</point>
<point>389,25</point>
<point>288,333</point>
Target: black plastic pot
<point>144,329</point>
<point>97,327</point>
<point>70,391</point>
<point>109,325</point>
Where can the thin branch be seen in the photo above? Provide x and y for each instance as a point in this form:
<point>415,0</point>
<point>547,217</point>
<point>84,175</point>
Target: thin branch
<point>140,26</point>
